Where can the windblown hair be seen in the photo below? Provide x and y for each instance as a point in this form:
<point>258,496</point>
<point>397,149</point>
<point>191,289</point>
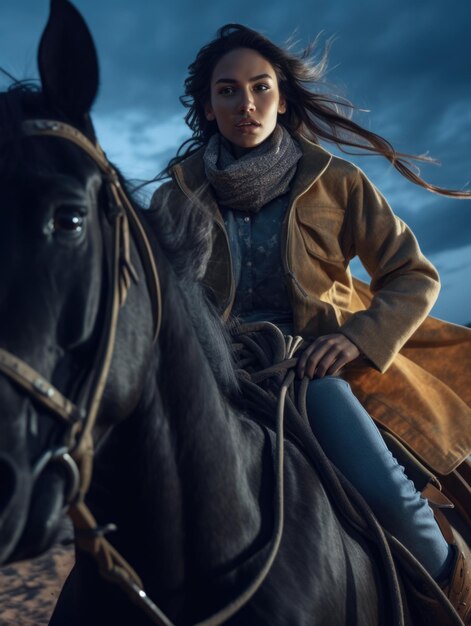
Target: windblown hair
<point>310,113</point>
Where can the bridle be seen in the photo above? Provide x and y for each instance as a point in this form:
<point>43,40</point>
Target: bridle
<point>76,454</point>
<point>77,450</point>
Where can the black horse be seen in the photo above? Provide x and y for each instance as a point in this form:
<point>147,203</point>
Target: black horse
<point>181,469</point>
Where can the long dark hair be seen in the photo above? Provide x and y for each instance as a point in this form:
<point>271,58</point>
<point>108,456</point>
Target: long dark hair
<point>312,114</point>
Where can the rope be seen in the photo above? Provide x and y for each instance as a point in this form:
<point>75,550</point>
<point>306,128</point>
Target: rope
<point>260,391</point>
<point>257,344</point>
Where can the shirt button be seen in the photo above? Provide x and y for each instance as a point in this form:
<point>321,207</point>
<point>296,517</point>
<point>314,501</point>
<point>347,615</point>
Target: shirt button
<point>247,219</point>
<point>249,263</point>
<point>250,289</point>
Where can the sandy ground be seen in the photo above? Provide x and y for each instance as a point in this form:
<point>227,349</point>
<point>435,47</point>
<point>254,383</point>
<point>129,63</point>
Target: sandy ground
<point>29,589</point>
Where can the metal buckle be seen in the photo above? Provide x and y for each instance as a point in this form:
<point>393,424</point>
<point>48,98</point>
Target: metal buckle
<point>43,387</point>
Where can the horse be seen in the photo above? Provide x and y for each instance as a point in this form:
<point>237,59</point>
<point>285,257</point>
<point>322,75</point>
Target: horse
<point>187,494</point>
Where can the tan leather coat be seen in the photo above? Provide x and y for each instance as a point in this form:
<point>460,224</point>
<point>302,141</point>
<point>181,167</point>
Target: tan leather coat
<point>413,379</point>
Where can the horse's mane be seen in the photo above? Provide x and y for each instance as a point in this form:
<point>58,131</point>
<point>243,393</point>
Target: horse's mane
<point>25,100</point>
<point>21,98</point>
<point>186,239</point>
<point>16,104</point>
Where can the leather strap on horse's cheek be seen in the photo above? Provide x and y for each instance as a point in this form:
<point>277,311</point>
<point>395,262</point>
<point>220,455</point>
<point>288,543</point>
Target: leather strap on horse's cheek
<point>37,387</point>
<point>145,251</point>
<point>127,271</point>
<point>83,456</point>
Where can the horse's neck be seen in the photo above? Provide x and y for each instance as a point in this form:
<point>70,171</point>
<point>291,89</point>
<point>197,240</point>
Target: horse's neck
<point>212,456</point>
<point>197,509</point>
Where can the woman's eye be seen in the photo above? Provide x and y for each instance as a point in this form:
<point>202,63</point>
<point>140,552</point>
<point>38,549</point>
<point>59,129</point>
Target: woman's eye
<point>262,87</point>
<point>226,91</point>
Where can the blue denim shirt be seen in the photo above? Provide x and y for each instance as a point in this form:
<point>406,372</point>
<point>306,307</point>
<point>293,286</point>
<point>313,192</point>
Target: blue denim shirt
<point>255,242</point>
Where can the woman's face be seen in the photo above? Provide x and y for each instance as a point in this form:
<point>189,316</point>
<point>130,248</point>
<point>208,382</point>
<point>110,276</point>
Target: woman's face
<point>245,99</point>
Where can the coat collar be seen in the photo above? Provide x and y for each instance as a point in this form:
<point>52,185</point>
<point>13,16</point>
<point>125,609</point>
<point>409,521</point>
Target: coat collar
<point>312,164</point>
<point>191,177</point>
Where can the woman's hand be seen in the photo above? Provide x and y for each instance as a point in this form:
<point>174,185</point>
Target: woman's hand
<point>326,355</point>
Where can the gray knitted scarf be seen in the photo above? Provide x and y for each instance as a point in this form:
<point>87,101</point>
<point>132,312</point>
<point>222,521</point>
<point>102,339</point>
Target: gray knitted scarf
<point>261,175</point>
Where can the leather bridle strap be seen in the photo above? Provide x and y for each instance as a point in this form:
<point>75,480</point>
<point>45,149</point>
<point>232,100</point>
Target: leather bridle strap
<point>121,275</point>
<point>38,387</point>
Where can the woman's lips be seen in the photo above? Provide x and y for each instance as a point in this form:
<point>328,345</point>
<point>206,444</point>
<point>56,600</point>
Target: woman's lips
<point>248,122</point>
<point>247,126</point>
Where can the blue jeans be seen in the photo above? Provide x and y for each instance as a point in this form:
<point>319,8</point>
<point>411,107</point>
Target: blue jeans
<point>354,444</point>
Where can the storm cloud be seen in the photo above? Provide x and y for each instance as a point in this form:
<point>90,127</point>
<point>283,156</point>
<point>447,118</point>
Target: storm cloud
<point>408,63</point>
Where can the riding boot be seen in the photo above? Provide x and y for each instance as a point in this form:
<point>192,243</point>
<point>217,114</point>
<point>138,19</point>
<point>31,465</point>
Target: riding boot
<point>457,587</point>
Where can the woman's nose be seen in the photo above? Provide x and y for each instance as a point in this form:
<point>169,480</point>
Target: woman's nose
<point>247,103</point>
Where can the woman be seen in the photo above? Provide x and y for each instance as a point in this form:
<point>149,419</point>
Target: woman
<point>255,164</point>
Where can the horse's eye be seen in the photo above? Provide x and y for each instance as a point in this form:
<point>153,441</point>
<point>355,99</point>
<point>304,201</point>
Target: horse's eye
<point>70,222</point>
<point>67,221</point>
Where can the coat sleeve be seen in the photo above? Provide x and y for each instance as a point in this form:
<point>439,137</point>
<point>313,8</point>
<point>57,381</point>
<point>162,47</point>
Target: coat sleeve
<point>404,283</point>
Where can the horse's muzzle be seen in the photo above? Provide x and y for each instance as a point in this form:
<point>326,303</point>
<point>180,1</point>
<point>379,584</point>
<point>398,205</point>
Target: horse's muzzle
<point>32,504</point>
<point>46,510</point>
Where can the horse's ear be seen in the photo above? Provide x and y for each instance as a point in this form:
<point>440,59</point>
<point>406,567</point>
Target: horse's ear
<point>67,61</point>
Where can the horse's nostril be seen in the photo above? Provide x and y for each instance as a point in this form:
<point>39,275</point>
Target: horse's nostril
<point>7,483</point>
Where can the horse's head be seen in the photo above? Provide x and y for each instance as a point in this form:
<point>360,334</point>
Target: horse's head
<point>56,252</point>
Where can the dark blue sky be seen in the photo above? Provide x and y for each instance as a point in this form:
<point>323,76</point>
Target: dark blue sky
<point>408,62</point>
